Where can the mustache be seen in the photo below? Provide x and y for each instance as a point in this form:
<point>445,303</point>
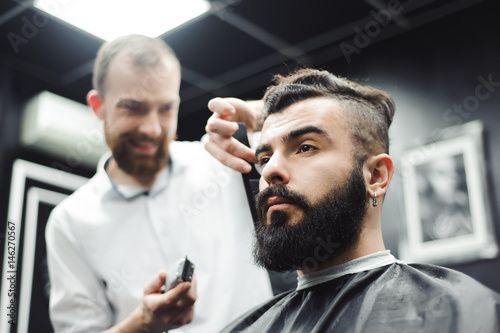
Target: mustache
<point>138,137</point>
<point>282,192</point>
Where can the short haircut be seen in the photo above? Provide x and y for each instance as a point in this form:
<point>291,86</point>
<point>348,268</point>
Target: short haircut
<point>145,52</point>
<point>368,112</point>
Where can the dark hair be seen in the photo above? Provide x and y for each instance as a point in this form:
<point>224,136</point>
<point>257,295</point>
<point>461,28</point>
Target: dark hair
<point>144,51</point>
<point>368,111</point>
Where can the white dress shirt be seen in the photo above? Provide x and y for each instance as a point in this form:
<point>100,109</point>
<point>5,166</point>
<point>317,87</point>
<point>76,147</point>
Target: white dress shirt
<point>104,243</point>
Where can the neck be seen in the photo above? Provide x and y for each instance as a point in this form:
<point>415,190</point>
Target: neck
<point>120,177</point>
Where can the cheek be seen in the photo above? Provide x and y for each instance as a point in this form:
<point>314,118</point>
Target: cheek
<point>262,184</point>
<point>169,124</point>
<point>117,123</point>
<point>117,127</point>
<point>172,129</point>
<point>315,183</point>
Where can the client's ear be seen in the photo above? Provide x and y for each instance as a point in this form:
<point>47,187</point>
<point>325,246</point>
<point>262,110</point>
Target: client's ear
<point>378,174</point>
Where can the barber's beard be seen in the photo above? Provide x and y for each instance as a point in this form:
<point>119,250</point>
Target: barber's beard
<point>136,164</point>
<point>327,228</point>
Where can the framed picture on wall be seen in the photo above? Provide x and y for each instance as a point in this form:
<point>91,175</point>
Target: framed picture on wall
<point>448,216</point>
<point>35,191</point>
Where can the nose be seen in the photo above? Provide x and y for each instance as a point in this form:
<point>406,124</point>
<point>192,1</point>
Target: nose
<point>150,125</point>
<point>276,171</point>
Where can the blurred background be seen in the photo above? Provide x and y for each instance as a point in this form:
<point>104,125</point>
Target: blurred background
<point>439,59</point>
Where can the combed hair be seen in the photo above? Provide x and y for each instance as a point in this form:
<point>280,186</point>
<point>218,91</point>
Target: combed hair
<point>144,51</point>
<point>368,112</point>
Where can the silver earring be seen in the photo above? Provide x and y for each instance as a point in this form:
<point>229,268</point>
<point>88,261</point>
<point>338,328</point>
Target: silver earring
<point>375,204</point>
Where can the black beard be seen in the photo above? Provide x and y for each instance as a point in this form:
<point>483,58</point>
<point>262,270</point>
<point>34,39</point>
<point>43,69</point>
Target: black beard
<point>327,229</point>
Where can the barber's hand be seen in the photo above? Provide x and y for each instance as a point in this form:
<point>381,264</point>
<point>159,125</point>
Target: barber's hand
<point>227,113</point>
<point>164,311</point>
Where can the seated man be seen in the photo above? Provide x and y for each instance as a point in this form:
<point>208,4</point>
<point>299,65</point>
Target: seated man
<point>325,170</point>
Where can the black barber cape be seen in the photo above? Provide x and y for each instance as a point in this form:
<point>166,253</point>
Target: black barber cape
<point>393,298</point>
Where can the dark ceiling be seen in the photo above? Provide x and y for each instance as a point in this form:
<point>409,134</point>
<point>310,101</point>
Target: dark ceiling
<point>230,51</point>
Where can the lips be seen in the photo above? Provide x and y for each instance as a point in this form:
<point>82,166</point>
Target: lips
<point>277,198</point>
<point>144,147</point>
<point>276,202</point>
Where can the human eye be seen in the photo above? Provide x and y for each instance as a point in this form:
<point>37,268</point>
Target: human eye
<point>306,148</point>
<point>131,106</point>
<point>166,108</point>
<point>261,163</point>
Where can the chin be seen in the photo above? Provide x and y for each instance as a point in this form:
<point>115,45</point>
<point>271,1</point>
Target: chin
<point>284,218</point>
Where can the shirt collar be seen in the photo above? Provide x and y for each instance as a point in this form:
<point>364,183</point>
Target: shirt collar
<point>365,263</point>
<point>133,191</point>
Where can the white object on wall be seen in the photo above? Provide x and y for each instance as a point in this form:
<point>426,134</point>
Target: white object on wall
<point>63,128</point>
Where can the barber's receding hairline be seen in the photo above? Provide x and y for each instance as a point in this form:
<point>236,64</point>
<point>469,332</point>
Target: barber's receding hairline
<point>144,52</point>
<point>166,61</point>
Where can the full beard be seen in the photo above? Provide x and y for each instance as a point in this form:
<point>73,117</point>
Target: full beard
<point>136,164</point>
<point>327,229</point>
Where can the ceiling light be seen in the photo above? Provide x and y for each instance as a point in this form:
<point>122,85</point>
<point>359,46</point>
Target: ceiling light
<point>109,19</point>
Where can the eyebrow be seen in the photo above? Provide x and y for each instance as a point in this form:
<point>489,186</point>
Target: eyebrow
<point>293,135</point>
<point>262,149</point>
<point>126,100</point>
<point>303,131</point>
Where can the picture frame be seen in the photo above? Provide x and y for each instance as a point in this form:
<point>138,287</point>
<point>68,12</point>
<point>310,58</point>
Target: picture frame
<point>35,190</point>
<point>448,217</point>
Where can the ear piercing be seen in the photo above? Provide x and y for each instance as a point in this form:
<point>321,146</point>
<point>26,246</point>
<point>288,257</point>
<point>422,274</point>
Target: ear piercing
<point>375,204</point>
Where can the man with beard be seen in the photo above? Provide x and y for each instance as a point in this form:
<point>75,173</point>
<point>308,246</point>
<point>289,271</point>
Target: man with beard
<point>151,202</point>
<point>325,170</point>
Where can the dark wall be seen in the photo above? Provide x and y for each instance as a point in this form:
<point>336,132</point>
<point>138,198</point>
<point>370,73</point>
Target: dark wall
<point>11,99</point>
<point>15,90</point>
<point>428,71</point>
